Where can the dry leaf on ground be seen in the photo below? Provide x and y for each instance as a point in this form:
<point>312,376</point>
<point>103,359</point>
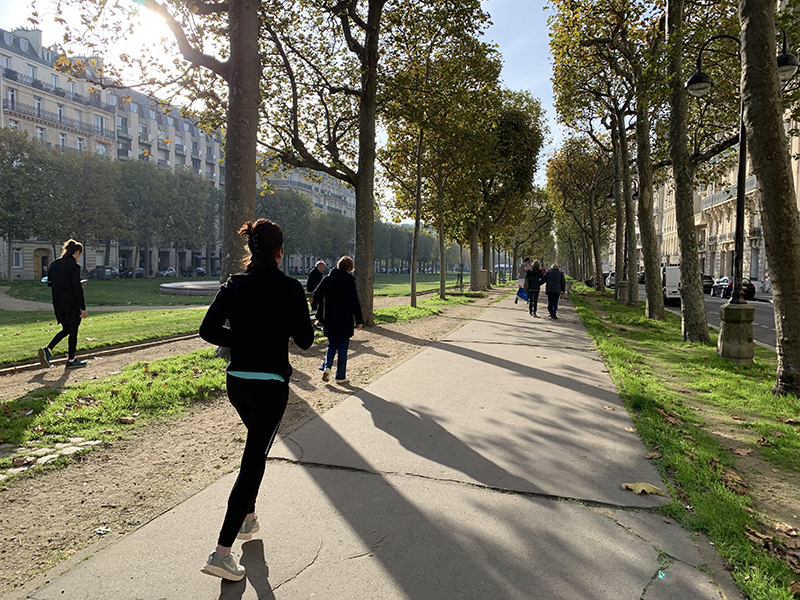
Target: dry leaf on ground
<point>643,488</point>
<point>671,419</point>
<point>654,455</point>
<point>742,451</point>
<point>737,418</point>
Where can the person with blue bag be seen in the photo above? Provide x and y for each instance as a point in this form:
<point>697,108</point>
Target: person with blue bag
<point>533,283</point>
<point>523,271</point>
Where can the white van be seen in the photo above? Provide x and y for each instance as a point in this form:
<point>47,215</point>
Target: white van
<point>671,284</point>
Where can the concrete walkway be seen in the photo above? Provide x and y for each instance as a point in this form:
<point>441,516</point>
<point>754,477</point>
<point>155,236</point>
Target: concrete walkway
<point>489,466</point>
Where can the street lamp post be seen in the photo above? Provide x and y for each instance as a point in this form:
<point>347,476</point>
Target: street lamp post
<point>736,330</point>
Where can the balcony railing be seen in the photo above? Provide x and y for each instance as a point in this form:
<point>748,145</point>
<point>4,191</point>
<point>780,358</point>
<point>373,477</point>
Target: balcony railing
<point>196,153</point>
<point>45,115</point>
<point>211,159</point>
<point>712,239</point>
<point>755,232</point>
<point>143,139</point>
<point>729,193</point>
<point>124,153</point>
<point>163,145</point>
<point>124,132</point>
<point>12,75</point>
<point>180,149</point>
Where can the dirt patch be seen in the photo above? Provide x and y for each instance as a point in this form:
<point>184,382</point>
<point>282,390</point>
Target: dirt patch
<point>114,489</point>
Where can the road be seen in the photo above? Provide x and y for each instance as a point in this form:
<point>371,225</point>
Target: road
<point>763,321</point>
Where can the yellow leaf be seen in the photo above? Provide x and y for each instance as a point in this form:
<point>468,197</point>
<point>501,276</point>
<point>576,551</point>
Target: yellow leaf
<point>643,488</point>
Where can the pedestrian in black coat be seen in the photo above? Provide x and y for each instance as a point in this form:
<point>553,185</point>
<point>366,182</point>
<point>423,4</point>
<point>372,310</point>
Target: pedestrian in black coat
<point>314,277</point>
<point>555,284</point>
<point>337,309</point>
<point>64,277</point>
<point>532,285</point>
<point>255,314</point>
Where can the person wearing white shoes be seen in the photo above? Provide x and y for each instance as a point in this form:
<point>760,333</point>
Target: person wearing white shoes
<point>337,304</point>
<point>64,277</point>
<point>255,313</point>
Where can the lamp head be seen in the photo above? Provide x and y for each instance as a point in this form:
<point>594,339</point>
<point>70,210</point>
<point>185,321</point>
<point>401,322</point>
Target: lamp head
<point>787,66</point>
<point>699,84</point>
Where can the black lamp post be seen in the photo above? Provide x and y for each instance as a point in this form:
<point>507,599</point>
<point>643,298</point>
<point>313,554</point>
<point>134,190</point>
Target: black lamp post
<point>700,84</point>
<point>635,196</point>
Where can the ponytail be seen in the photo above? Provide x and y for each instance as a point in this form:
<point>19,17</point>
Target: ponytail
<point>70,248</point>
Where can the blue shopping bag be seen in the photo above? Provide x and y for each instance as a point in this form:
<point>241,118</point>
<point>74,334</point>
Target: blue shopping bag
<point>522,294</point>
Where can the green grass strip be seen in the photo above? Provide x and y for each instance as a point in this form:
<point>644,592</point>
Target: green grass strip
<point>115,292</point>
<point>144,391</point>
<point>425,308</point>
<point>650,364</point>
<point>22,333</point>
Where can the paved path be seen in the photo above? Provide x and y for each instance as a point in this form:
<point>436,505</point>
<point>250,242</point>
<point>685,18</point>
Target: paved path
<point>487,466</point>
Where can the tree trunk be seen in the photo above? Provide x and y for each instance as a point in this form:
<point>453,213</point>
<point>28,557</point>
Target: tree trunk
<point>769,151</point>
<point>619,231</point>
<point>244,97</point>
<point>654,305</point>
<point>442,260</point>
<point>474,258</point>
<point>630,214</point>
<point>417,211</point>
<point>487,256</point>
<point>694,322</point>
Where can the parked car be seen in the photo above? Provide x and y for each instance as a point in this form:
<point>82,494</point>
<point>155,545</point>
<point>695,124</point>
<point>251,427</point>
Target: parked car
<point>168,272</point>
<point>611,279</point>
<point>104,272</point>
<point>200,272</point>
<point>641,276</point>
<point>708,281</point>
<point>130,274</point>
<point>723,287</point>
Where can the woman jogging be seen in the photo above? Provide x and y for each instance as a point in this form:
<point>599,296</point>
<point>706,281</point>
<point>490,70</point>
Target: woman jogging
<point>254,314</point>
<point>337,307</point>
<point>64,276</point>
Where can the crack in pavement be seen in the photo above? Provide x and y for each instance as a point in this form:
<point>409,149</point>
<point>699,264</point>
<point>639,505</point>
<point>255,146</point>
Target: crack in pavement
<point>553,497</point>
<point>300,572</point>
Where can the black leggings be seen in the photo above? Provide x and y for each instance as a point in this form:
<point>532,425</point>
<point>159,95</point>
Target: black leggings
<point>533,302</point>
<point>69,327</point>
<point>260,404</point>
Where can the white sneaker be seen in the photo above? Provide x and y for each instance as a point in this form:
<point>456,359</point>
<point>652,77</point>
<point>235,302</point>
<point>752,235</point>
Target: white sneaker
<point>326,375</point>
<point>224,568</point>
<point>344,381</point>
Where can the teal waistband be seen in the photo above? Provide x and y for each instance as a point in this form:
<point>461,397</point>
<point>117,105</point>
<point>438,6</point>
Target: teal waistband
<point>256,375</point>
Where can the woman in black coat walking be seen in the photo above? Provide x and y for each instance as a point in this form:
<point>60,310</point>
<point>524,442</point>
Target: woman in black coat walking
<point>337,307</point>
<point>255,313</point>
<point>555,285</point>
<point>533,283</point>
<point>64,276</point>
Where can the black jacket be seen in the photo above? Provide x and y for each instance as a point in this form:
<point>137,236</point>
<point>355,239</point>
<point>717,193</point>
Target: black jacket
<point>554,281</point>
<point>314,277</point>
<point>64,276</point>
<point>337,305</point>
<point>533,280</point>
<point>264,308</point>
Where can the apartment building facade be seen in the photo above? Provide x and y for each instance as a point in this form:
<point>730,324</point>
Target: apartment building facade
<point>71,115</point>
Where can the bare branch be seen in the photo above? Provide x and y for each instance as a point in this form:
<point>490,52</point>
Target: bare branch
<point>200,7</point>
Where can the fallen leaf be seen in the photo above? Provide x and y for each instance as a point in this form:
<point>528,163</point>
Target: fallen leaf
<point>795,588</point>
<point>734,482</point>
<point>654,455</point>
<point>604,408</point>
<point>789,421</point>
<point>737,418</point>
<point>777,433</point>
<point>127,420</point>
<point>762,441</point>
<point>787,529</point>
<point>631,429</point>
<point>671,419</point>
<point>643,488</point>
<point>742,451</point>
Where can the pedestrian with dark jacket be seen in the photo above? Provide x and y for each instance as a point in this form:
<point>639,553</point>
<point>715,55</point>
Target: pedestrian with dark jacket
<point>555,285</point>
<point>337,308</point>
<point>314,277</point>
<point>255,314</point>
<point>533,283</point>
<point>64,277</point>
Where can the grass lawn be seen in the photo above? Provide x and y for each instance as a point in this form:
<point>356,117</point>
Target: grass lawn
<point>141,393</point>
<point>425,307</point>
<point>22,333</point>
<point>400,285</point>
<point>144,292</point>
<point>116,292</point>
<point>674,391</point>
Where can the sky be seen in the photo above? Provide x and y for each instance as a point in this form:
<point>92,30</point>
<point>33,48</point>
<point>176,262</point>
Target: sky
<point>519,29</point>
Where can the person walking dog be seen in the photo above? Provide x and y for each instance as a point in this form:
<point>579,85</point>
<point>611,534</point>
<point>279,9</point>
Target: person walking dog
<point>337,307</point>
<point>64,277</point>
<point>555,284</point>
<point>255,314</point>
